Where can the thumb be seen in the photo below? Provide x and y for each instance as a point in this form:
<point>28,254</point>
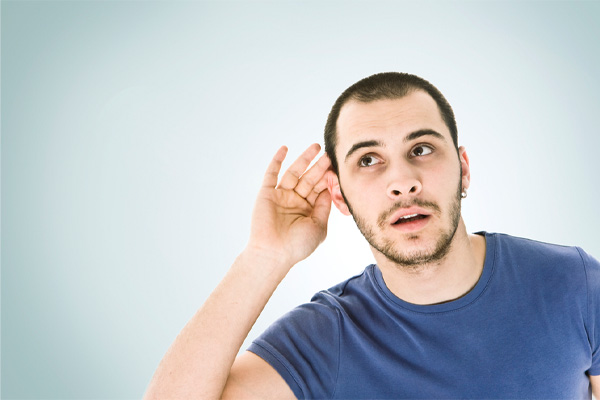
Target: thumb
<point>322,207</point>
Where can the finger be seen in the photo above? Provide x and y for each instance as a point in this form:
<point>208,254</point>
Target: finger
<point>322,207</point>
<point>319,187</point>
<point>270,179</point>
<point>309,180</point>
<point>294,172</point>
<point>312,198</point>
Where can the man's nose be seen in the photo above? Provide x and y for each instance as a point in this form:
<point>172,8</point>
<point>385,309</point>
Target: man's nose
<point>403,184</point>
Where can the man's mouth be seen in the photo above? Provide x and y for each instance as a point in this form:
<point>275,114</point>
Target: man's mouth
<point>409,218</point>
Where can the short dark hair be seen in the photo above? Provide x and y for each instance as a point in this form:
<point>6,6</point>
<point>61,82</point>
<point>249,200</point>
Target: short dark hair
<point>385,85</point>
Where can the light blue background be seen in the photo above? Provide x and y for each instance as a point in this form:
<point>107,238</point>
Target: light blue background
<point>135,134</point>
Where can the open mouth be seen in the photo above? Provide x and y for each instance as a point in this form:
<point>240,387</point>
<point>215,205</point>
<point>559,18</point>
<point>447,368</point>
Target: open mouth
<point>409,218</point>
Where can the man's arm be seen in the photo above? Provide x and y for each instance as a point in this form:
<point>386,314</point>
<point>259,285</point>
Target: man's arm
<point>595,382</point>
<point>252,377</point>
<point>288,223</point>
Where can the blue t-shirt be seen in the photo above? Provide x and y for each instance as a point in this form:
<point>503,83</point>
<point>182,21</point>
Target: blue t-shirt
<point>528,329</point>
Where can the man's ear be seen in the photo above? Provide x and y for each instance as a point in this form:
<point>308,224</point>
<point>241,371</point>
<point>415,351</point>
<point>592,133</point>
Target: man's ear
<point>333,185</point>
<point>466,169</point>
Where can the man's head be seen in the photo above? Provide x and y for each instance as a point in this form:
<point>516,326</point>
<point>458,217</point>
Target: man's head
<point>385,85</point>
<point>399,171</point>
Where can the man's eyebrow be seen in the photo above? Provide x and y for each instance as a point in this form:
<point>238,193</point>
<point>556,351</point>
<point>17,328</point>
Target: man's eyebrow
<point>360,145</point>
<point>411,136</point>
<point>423,132</point>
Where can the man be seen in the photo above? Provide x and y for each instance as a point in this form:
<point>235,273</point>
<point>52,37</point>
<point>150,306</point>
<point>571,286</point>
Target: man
<point>443,313</point>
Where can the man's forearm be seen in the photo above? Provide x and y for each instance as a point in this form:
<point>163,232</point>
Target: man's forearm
<point>199,361</point>
<point>289,221</point>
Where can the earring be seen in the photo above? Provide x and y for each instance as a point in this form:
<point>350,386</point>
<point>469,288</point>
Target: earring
<point>463,195</point>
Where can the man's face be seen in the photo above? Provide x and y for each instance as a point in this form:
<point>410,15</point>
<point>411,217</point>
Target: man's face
<point>400,177</point>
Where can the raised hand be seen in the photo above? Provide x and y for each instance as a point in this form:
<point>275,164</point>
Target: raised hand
<point>290,218</point>
<point>288,223</point>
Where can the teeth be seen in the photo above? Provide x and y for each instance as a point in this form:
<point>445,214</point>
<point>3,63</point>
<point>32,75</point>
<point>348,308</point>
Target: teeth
<point>409,216</point>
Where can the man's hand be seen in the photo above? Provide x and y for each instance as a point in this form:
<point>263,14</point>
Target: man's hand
<point>290,218</point>
<point>288,223</point>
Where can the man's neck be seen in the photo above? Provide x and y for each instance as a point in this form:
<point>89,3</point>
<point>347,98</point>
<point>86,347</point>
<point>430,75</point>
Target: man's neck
<point>441,281</point>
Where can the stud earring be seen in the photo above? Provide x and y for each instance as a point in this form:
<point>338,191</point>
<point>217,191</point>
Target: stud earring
<point>463,195</point>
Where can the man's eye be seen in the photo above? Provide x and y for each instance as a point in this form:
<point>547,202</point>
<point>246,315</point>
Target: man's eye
<point>367,161</point>
<point>421,150</point>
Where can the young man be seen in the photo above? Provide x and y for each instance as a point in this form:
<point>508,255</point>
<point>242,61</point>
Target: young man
<point>443,314</point>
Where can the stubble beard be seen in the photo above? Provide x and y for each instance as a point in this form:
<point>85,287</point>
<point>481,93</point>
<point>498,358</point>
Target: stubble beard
<point>419,258</point>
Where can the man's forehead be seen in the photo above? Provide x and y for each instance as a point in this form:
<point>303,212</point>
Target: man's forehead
<point>416,110</point>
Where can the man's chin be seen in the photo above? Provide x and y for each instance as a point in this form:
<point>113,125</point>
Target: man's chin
<point>415,259</point>
<point>414,251</point>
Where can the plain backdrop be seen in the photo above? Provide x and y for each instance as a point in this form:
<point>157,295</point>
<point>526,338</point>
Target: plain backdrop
<point>135,135</point>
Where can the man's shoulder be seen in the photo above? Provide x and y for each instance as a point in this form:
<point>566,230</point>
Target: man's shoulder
<point>343,288</point>
<point>348,289</point>
<point>321,317</point>
<point>541,259</point>
<point>533,249</point>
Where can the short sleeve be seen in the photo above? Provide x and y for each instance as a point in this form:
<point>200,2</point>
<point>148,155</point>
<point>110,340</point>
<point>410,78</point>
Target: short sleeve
<point>592,270</point>
<point>303,347</point>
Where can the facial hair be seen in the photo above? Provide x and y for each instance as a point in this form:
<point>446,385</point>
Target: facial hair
<point>418,258</point>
